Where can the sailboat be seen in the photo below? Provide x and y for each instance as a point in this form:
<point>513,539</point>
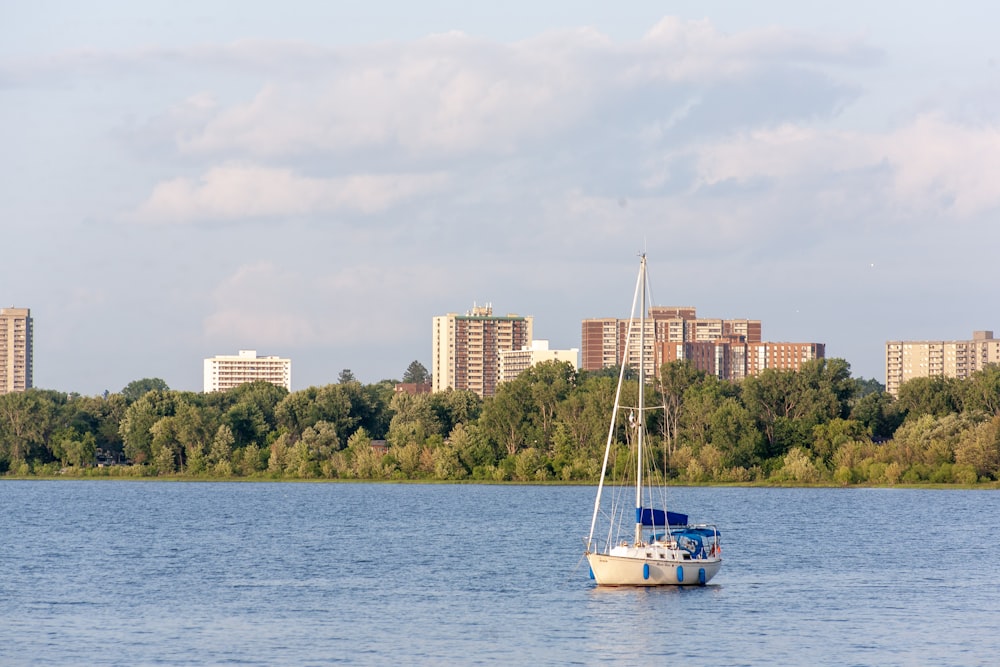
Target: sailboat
<point>653,547</point>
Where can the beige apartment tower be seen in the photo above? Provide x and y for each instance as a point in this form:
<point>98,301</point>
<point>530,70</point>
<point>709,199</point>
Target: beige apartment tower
<point>466,348</point>
<point>227,371</point>
<point>16,335</point>
<point>908,359</point>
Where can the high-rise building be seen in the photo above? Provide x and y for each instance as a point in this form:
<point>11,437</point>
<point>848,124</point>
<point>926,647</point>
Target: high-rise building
<point>225,372</point>
<point>728,349</point>
<point>16,334</point>
<point>600,344</point>
<point>466,348</point>
<point>908,359</point>
<point>604,343</point>
<point>514,362</point>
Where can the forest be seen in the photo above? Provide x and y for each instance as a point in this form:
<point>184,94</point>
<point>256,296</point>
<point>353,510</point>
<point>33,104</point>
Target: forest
<point>817,425</point>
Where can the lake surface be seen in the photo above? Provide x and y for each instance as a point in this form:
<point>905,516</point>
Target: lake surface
<point>169,573</point>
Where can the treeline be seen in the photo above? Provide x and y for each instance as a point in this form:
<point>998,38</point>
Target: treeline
<point>816,425</point>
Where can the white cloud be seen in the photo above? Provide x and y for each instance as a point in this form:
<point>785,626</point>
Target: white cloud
<point>931,165</point>
<point>445,94</point>
<point>238,191</point>
<point>942,165</point>
<point>453,94</point>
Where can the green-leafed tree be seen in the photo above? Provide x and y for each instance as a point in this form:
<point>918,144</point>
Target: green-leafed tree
<point>136,389</point>
<point>770,396</point>
<point>826,389</point>
<point>413,421</point>
<point>264,396</point>
<point>72,448</point>
<point>788,404</point>
<point>416,373</point>
<point>584,414</point>
<point>249,411</point>
<point>100,416</point>
<point>936,396</point>
<point>507,418</point>
<point>549,383</point>
<point>700,402</point>
<point>878,412</point>
<point>136,425</point>
<point>195,428</point>
<point>331,404</point>
<point>674,379</point>
<point>369,408</point>
<point>453,407</point>
<point>979,447</point>
<point>166,451</point>
<point>981,391</point>
<point>864,387</point>
<point>26,419</point>
<point>247,423</point>
<point>733,432</point>
<point>830,436</point>
<point>221,451</point>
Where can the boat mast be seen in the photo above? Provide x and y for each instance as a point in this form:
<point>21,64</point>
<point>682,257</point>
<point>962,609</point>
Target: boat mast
<point>640,285</point>
<point>642,404</point>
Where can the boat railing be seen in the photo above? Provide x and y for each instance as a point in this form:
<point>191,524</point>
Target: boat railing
<point>594,545</point>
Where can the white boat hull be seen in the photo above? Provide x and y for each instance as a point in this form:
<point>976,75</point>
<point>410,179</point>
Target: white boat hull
<point>639,570</point>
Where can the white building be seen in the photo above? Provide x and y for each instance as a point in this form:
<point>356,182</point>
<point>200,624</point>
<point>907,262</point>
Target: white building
<point>514,362</point>
<point>227,371</point>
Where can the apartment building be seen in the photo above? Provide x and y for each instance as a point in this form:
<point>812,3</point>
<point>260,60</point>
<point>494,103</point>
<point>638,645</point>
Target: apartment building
<point>600,344</point>
<point>730,357</point>
<point>229,371</point>
<point>725,357</point>
<point>728,349</point>
<point>16,362</point>
<point>512,363</point>
<point>781,356</point>
<point>908,359</point>
<point>466,348</point>
<point>604,343</point>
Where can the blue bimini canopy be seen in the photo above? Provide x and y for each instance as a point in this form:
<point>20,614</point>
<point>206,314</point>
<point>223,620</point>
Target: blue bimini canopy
<point>700,532</point>
<point>650,517</point>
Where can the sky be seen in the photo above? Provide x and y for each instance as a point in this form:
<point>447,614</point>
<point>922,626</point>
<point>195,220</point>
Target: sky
<point>318,180</point>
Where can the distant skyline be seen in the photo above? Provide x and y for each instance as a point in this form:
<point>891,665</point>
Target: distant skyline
<point>317,181</point>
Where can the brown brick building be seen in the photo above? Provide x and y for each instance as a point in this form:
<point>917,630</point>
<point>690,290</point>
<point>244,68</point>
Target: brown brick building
<point>728,349</point>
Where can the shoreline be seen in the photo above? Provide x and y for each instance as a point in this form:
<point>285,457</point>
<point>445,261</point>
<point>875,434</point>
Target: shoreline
<point>986,486</point>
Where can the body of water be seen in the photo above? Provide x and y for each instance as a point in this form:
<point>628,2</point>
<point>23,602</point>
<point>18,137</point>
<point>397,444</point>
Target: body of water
<point>169,573</point>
